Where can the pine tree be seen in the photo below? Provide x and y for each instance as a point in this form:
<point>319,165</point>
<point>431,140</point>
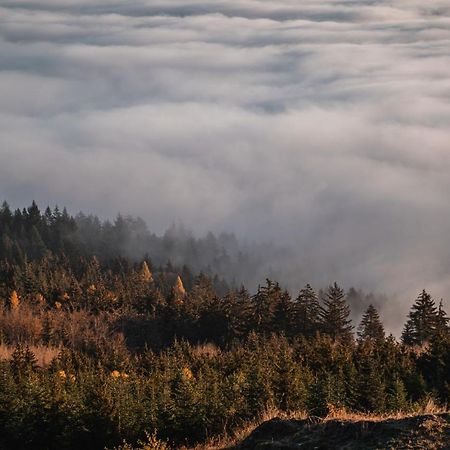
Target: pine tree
<point>282,317</point>
<point>335,315</point>
<point>408,334</point>
<point>306,312</point>
<point>371,387</point>
<point>238,310</point>
<point>23,361</point>
<point>264,304</point>
<point>371,329</point>
<point>422,321</point>
<point>442,328</point>
<point>397,396</point>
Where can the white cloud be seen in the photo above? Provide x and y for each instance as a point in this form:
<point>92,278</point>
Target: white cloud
<point>322,124</point>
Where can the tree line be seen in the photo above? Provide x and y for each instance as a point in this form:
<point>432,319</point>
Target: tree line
<point>141,348</point>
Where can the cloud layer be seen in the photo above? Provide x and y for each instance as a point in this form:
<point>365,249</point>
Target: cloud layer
<point>322,124</point>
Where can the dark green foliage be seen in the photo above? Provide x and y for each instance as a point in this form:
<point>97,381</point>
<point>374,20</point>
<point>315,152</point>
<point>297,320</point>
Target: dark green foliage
<point>306,312</point>
<point>422,322</point>
<point>23,362</point>
<point>335,315</point>
<point>371,328</point>
<point>371,389</point>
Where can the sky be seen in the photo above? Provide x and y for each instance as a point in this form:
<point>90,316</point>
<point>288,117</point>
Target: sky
<point>320,125</point>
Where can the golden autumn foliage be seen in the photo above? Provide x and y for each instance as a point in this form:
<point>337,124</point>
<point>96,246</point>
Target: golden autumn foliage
<point>14,300</point>
<point>111,296</point>
<point>178,288</point>
<point>91,289</point>
<point>64,376</point>
<point>145,274</point>
<point>116,374</point>
<point>187,373</point>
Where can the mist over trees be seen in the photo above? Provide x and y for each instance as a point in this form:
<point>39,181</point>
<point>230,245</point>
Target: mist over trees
<point>30,234</point>
<point>97,347</point>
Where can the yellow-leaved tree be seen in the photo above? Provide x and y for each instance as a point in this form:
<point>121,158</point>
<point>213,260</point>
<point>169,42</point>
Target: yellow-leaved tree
<point>14,300</point>
<point>178,287</point>
<point>146,274</point>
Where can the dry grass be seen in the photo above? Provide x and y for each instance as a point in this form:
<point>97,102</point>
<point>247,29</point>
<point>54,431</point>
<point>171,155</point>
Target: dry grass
<point>44,355</point>
<point>342,414</point>
<point>229,440</point>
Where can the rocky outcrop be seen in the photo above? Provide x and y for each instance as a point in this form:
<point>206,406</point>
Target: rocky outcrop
<point>425,432</point>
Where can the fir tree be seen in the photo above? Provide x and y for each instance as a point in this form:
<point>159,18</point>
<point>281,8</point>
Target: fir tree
<point>372,395</point>
<point>397,396</point>
<point>335,315</point>
<point>282,314</point>
<point>306,311</point>
<point>371,329</point>
<point>442,328</point>
<point>422,321</point>
<point>264,304</point>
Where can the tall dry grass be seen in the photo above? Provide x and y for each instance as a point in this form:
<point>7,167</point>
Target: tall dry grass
<point>231,439</point>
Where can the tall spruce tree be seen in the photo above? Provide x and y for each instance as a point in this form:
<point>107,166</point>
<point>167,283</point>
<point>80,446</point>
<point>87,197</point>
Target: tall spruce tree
<point>306,312</point>
<point>335,315</point>
<point>422,321</point>
<point>264,304</point>
<point>282,317</point>
<point>442,328</point>
<point>371,329</point>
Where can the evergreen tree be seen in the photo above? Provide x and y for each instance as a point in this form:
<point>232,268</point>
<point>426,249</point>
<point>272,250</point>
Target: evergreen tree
<point>335,315</point>
<point>371,328</point>
<point>422,321</point>
<point>282,317</point>
<point>238,310</point>
<point>397,396</point>
<point>264,303</point>
<point>442,320</point>
<point>306,312</point>
<point>372,395</point>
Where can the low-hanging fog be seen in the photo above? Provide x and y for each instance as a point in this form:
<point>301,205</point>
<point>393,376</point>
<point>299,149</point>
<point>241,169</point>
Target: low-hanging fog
<point>323,126</point>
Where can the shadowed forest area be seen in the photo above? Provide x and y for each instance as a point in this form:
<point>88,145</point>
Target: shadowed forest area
<point>109,333</point>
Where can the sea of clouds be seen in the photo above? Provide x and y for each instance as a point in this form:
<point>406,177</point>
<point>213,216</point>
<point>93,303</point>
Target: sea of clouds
<point>323,125</point>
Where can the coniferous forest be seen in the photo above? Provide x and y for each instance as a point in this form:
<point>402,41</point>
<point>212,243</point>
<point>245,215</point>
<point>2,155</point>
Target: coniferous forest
<point>109,333</point>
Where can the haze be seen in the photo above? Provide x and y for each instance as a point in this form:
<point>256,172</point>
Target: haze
<point>323,126</point>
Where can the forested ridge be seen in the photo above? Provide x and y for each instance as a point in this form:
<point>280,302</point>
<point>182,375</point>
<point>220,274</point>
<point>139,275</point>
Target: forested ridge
<point>101,343</point>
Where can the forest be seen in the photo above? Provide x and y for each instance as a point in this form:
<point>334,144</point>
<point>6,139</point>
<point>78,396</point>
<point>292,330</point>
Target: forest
<point>113,337</point>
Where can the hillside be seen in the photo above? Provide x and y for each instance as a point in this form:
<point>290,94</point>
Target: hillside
<point>420,432</point>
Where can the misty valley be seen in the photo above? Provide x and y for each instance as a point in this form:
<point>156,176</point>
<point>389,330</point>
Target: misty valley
<point>251,246</point>
<point>101,350</point>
